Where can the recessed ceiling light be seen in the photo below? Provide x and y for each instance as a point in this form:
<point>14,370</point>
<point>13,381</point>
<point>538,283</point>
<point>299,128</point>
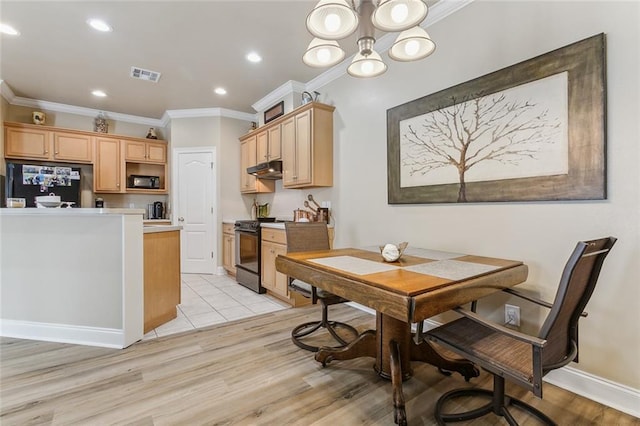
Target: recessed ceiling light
<point>220,90</point>
<point>254,57</point>
<point>8,29</point>
<point>99,25</point>
<point>99,93</point>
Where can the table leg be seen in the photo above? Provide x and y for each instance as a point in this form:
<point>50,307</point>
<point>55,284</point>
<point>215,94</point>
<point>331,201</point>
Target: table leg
<point>393,330</point>
<point>426,353</point>
<point>363,345</point>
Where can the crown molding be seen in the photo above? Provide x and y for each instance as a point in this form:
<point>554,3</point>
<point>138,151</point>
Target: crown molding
<point>206,112</point>
<point>287,88</point>
<point>8,94</point>
<point>6,91</point>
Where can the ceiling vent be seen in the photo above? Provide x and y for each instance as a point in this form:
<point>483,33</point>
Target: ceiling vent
<point>143,74</point>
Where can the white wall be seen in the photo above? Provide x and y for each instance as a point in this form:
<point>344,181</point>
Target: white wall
<point>483,37</point>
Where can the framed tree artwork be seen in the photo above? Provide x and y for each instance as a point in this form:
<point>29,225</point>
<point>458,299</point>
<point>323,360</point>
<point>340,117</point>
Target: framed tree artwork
<point>533,131</point>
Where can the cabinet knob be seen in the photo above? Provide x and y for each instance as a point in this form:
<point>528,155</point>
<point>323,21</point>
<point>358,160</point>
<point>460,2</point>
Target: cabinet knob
<point>181,219</point>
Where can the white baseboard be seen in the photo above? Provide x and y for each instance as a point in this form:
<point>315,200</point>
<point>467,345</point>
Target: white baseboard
<point>62,333</point>
<point>614,395</point>
<point>221,271</point>
<point>603,391</point>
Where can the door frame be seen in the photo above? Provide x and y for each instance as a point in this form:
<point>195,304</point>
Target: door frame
<point>214,196</point>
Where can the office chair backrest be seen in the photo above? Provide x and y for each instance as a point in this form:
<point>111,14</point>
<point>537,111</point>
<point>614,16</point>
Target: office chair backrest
<point>306,236</point>
<point>577,283</point>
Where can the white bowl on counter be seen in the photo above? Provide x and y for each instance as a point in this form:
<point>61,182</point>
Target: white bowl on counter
<point>51,200</point>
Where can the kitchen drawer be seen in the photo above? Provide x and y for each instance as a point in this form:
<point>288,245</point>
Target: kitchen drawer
<point>274,235</point>
<point>227,228</point>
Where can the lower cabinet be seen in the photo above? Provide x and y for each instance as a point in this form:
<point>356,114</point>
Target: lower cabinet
<point>229,248</point>
<point>161,277</point>
<point>273,280</point>
<point>274,242</point>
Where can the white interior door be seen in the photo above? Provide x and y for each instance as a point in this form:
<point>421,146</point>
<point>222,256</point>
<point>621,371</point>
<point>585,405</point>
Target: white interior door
<point>193,208</point>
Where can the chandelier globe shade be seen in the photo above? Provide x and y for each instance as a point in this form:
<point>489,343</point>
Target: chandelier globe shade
<point>323,53</point>
<point>399,15</point>
<point>411,45</point>
<point>367,66</point>
<point>332,20</point>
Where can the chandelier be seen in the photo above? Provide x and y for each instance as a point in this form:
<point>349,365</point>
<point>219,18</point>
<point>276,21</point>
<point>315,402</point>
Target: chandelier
<point>333,20</point>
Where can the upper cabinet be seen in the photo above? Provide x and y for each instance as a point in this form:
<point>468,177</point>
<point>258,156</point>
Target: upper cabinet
<point>302,139</point>
<point>26,141</point>
<point>269,144</point>
<point>307,147</point>
<point>145,152</point>
<point>114,157</point>
<point>249,184</point>
<point>107,173</point>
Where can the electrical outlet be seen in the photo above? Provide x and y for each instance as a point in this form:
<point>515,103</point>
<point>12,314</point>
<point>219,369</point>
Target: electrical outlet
<point>512,315</point>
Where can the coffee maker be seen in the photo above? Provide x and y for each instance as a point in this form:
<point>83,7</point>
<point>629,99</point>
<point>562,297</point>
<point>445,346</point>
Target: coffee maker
<point>155,210</point>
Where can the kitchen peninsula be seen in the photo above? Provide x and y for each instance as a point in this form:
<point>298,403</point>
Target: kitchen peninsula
<point>74,275</point>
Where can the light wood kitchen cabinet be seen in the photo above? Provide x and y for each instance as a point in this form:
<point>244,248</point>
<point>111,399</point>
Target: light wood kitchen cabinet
<point>269,144</point>
<point>107,172</point>
<point>72,147</point>
<point>145,152</point>
<point>249,184</point>
<point>307,147</point>
<point>42,143</point>
<point>229,248</point>
<point>161,277</point>
<point>273,243</point>
<point>114,157</point>
<point>26,142</point>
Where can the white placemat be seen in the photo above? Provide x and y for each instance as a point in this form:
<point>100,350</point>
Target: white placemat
<point>451,269</point>
<point>354,265</point>
<point>431,254</point>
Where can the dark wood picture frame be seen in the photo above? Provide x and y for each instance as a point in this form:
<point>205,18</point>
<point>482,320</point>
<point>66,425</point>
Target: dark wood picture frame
<point>274,112</point>
<point>584,63</point>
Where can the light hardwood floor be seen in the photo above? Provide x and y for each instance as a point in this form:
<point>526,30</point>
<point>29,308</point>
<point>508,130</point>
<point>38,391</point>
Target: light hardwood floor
<point>245,372</point>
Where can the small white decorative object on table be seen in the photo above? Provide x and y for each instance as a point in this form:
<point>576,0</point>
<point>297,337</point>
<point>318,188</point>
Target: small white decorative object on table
<point>391,252</point>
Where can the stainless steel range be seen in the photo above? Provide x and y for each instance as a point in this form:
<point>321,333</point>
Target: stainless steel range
<point>248,253</point>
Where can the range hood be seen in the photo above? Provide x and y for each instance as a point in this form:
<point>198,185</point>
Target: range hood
<point>269,170</point>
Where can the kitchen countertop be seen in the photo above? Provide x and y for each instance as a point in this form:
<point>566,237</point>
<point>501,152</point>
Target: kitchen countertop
<point>160,228</point>
<point>279,225</point>
<point>69,212</point>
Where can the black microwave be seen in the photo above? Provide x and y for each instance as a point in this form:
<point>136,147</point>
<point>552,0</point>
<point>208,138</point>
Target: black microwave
<point>140,181</point>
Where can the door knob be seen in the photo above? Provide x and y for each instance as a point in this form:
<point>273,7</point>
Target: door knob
<point>181,219</point>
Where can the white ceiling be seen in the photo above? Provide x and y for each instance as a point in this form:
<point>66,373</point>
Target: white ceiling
<point>195,45</point>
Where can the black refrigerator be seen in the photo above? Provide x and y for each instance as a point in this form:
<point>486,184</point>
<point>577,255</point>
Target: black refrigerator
<point>29,180</point>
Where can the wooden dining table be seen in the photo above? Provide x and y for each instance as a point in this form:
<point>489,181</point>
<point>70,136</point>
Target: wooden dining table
<point>419,285</point>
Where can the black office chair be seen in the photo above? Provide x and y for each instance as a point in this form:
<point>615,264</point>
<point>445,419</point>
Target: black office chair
<point>517,357</point>
<point>309,236</point>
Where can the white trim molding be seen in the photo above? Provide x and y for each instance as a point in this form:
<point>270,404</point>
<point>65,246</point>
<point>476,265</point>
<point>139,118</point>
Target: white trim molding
<point>615,395</point>
<point>63,333</point>
<point>286,89</point>
<point>206,112</point>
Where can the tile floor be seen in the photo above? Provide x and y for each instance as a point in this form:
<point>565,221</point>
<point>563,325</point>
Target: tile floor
<point>214,299</point>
